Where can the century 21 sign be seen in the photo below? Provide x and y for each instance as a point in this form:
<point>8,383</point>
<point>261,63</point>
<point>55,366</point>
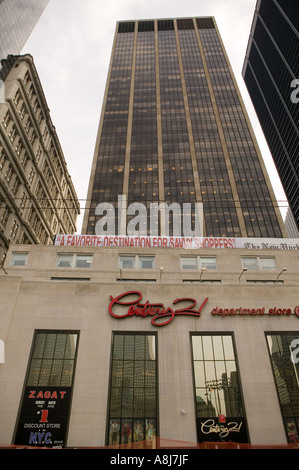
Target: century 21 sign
<point>160,314</point>
<point>130,304</point>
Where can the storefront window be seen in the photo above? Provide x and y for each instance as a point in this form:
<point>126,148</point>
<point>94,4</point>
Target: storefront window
<point>53,358</point>
<point>133,389</point>
<point>46,400</point>
<point>284,354</point>
<point>219,407</point>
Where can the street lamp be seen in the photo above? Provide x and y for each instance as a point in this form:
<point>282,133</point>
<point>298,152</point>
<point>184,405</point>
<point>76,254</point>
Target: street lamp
<point>202,270</point>
<point>243,271</point>
<point>283,270</point>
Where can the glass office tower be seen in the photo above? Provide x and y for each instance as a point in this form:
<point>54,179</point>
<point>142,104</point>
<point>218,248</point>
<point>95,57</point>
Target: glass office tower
<point>174,130</point>
<point>17,20</point>
<point>271,74</point>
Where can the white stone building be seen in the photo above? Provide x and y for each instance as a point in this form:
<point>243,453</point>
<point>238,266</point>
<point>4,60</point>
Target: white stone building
<point>210,352</point>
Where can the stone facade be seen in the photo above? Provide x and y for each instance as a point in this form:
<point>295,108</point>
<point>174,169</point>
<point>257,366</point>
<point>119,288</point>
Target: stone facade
<point>39,295</point>
<point>37,195</point>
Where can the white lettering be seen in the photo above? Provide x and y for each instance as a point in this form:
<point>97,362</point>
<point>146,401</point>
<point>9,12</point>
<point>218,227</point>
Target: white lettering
<point>138,226</point>
<point>139,221</point>
<point>127,460</point>
<point>294,97</point>
<point>106,225</point>
<point>210,426</point>
<point>295,343</point>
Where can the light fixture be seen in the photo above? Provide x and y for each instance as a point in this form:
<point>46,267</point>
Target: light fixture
<point>243,271</point>
<point>202,270</point>
<point>161,271</point>
<point>282,271</point>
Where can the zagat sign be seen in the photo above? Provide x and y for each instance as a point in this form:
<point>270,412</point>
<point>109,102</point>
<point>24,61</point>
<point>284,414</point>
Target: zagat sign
<point>129,304</point>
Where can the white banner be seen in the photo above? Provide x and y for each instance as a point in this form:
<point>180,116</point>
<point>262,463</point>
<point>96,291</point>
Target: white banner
<point>177,242</point>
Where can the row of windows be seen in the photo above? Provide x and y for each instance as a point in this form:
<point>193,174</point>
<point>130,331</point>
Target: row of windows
<point>198,262</point>
<point>71,260</point>
<point>133,387</point>
<point>12,178</point>
<point>232,124</point>
<point>174,130</point>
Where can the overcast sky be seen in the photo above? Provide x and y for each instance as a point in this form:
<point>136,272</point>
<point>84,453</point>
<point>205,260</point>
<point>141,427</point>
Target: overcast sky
<point>71,47</point>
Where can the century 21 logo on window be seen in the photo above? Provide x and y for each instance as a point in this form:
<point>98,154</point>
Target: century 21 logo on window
<point>295,352</point>
<point>295,94</point>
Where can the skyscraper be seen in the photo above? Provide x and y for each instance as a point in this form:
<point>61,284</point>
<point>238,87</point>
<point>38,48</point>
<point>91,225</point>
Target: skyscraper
<point>17,20</point>
<point>271,74</point>
<point>174,130</point>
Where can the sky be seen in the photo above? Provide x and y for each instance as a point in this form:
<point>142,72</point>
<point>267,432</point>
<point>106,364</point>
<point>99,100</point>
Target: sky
<point>71,46</point>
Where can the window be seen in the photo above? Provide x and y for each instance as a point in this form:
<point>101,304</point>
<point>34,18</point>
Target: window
<point>2,159</point>
<point>70,260</point>
<point>146,262</point>
<point>136,262</point>
<point>31,175</point>
<point>19,259</point>
<point>53,359</point>
<point>7,119</point>
<point>204,281</point>
<point>258,262</point>
<point>217,387</point>
<point>48,388</point>
<point>83,261</point>
<point>77,279</point>
<point>135,280</point>
<point>23,201</point>
<point>283,350</point>
<point>189,263</point>
<point>64,261</point>
<point>208,262</point>
<point>264,281</point>
<point>4,216</point>
<point>127,262</point>
<point>133,389</point>
<point>14,230</point>
<point>198,262</point>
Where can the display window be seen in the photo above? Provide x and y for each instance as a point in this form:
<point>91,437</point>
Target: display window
<point>132,407</point>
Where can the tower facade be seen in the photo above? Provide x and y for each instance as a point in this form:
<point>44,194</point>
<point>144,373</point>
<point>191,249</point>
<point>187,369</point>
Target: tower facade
<point>271,74</point>
<point>37,196</point>
<point>174,130</point>
<point>17,20</point>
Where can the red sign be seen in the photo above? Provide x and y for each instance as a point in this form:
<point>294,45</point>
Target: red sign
<point>275,311</point>
<point>155,310</point>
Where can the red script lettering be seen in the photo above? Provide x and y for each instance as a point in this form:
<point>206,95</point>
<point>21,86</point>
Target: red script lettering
<point>155,310</point>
